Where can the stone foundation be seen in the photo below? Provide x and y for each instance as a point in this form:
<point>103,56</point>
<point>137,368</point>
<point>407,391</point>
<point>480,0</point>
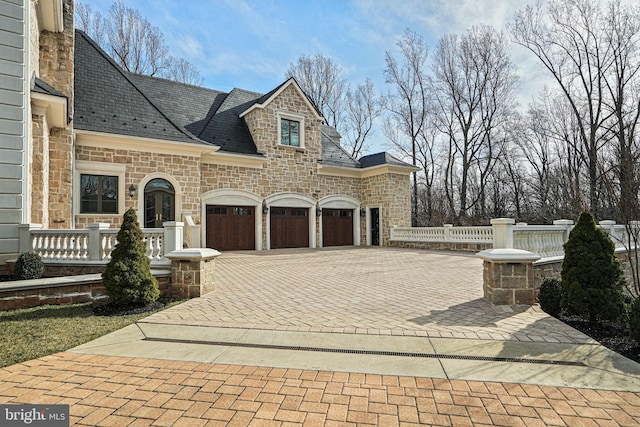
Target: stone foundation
<point>441,246</point>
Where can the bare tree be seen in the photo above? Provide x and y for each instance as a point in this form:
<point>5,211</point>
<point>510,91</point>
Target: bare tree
<point>91,22</point>
<point>362,109</point>
<point>407,105</point>
<point>135,44</point>
<point>473,83</point>
<point>567,40</point>
<point>320,77</point>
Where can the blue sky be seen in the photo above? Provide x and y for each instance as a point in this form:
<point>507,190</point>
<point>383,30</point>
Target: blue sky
<point>250,44</point>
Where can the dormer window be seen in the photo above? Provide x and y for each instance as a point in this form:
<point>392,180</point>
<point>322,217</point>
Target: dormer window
<point>291,130</point>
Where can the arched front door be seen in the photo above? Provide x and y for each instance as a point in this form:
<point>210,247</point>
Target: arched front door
<point>159,203</point>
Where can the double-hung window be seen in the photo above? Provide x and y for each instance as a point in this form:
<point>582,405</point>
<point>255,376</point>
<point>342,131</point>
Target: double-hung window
<point>98,194</point>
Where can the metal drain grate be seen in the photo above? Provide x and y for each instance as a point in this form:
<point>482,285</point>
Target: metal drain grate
<point>372,352</point>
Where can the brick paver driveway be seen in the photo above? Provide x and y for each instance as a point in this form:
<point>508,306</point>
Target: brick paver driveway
<point>362,291</point>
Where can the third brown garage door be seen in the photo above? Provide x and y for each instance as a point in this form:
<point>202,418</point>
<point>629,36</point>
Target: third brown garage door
<point>289,228</point>
<point>337,227</point>
<point>231,228</point>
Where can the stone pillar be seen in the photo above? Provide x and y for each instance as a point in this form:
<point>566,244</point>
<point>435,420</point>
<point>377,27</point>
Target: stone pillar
<point>173,236</point>
<point>447,232</point>
<point>24,232</point>
<point>95,240</point>
<point>508,276</point>
<point>192,272</point>
<point>502,232</point>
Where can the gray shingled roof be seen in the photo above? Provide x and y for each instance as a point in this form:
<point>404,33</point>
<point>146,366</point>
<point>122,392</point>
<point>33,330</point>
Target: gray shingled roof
<point>107,100</point>
<point>40,86</point>
<point>226,129</point>
<point>383,158</point>
<point>111,100</point>
<point>332,153</point>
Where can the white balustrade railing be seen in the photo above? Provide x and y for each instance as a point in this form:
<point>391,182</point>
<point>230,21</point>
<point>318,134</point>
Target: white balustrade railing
<point>95,244</point>
<point>60,245</point>
<point>544,240</point>
<point>480,234</point>
<point>418,234</point>
<point>547,241</point>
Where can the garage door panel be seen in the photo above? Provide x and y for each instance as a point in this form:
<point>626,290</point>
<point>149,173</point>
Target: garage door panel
<point>231,227</point>
<point>337,227</point>
<point>289,227</point>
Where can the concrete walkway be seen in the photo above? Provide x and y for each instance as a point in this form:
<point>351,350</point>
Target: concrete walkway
<point>338,337</point>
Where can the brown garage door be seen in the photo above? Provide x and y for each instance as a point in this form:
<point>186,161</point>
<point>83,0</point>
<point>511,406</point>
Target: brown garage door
<point>289,227</point>
<point>231,228</point>
<point>337,227</point>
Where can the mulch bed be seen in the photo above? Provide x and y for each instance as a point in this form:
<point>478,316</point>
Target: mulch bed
<point>106,309</point>
<point>614,336</point>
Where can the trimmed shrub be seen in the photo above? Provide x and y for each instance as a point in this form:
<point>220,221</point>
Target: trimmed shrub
<point>591,278</point>
<point>28,266</point>
<point>127,278</point>
<point>550,296</point>
<point>634,320</point>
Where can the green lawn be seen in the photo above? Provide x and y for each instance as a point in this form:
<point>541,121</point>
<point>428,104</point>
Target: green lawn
<point>30,333</point>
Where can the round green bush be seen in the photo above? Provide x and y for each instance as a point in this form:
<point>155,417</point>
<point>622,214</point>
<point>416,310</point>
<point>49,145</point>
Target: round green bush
<point>127,279</point>
<point>550,296</point>
<point>28,266</point>
<point>634,320</point>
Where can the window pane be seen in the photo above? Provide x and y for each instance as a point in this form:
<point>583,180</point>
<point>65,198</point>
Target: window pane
<point>295,134</point>
<point>284,132</point>
<point>98,194</point>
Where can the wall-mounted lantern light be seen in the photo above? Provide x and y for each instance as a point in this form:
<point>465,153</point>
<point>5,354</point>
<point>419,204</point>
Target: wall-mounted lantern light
<point>363,213</point>
<point>132,191</point>
<point>319,212</point>
<point>265,208</point>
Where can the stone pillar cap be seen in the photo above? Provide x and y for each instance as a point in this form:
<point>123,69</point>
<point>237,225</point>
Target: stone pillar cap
<point>508,255</point>
<point>503,221</point>
<point>193,254</point>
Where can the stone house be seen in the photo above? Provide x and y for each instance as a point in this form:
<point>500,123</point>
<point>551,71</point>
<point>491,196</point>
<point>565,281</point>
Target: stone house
<point>242,170</point>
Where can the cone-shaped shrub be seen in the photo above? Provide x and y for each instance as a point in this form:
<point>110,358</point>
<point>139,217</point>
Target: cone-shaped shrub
<point>591,277</point>
<point>127,279</point>
<point>550,296</point>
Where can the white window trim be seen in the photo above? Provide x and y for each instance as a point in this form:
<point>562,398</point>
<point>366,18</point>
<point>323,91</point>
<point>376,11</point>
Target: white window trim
<point>83,167</point>
<point>293,117</point>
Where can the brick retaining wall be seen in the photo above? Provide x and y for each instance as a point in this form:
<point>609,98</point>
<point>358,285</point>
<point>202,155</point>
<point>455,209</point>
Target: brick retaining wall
<point>62,290</point>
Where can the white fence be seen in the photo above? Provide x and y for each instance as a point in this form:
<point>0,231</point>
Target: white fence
<point>448,233</point>
<point>544,240</point>
<point>96,243</point>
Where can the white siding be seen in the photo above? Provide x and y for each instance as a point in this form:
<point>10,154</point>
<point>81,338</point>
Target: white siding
<point>14,136</point>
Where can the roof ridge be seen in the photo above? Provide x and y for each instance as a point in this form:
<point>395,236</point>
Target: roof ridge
<point>138,89</point>
<point>173,82</point>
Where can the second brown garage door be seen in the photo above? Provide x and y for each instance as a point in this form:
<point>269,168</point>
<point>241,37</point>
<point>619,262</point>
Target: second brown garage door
<point>337,227</point>
<point>231,228</point>
<point>289,228</point>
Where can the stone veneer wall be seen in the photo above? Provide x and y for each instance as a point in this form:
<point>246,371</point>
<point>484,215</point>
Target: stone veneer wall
<point>391,192</point>
<point>40,170</point>
<point>184,169</point>
<point>55,64</point>
<point>442,246</point>
<point>554,269</point>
